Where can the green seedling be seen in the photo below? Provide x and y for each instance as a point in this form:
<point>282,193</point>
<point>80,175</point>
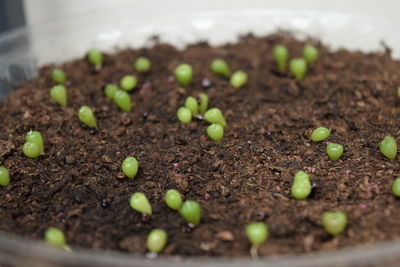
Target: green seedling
<point>184,115</point>
<point>55,237</point>
<point>130,167</point>
<point>320,134</point>
<point>35,137</point>
<point>173,199</point>
<point>4,176</point>
<point>123,100</point>
<point>388,147</point>
<point>142,64</point>
<point>398,92</point>
<point>281,55</point>
<point>191,212</point>
<point>310,53</point>
<point>334,222</point>
<point>214,115</point>
<point>298,67</point>
<point>59,94</point>
<point>192,105</point>
<point>220,67</point>
<point>203,102</point>
<point>301,187</point>
<point>334,151</point>
<point>257,233</point>
<point>140,203</point>
<point>86,116</point>
<point>96,58</point>
<point>110,90</point>
<point>156,240</point>
<point>31,150</point>
<point>128,82</point>
<point>238,79</point>
<point>183,74</point>
<point>395,186</point>
<point>215,132</point>
<point>58,76</point>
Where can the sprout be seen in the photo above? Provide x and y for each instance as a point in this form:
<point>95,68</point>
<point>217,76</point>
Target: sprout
<point>31,150</point>
<point>320,134</point>
<point>123,100</point>
<point>281,55</point>
<point>55,237</point>
<point>140,203</point>
<point>173,199</point>
<point>142,64</point>
<point>192,105</point>
<point>310,53</point>
<point>238,79</point>
<point>184,115</point>
<point>214,115</point>
<point>130,167</point>
<point>203,103</point>
<point>183,74</point>
<point>86,116</point>
<point>334,151</point>
<point>219,67</point>
<point>128,82</point>
<point>4,176</point>
<point>388,147</point>
<point>301,187</point>
<point>96,58</point>
<point>395,186</point>
<point>59,94</point>
<point>156,240</point>
<point>58,76</point>
<point>334,222</point>
<point>191,212</point>
<point>398,91</point>
<point>110,91</point>
<point>215,132</point>
<point>35,137</point>
<point>257,233</point>
<point>298,67</point>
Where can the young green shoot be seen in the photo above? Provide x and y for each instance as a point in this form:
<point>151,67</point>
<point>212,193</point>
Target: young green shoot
<point>58,76</point>
<point>310,53</point>
<point>173,199</point>
<point>191,212</point>
<point>220,67</point>
<point>215,132</point>
<point>110,91</point>
<point>320,134</point>
<point>203,102</point>
<point>96,58</point>
<point>184,115</point>
<point>140,203</point>
<point>56,238</point>
<point>86,116</point>
<point>334,151</point>
<point>128,82</point>
<point>35,137</point>
<point>214,115</point>
<point>123,100</point>
<point>31,149</point>
<point>281,55</point>
<point>59,94</point>
<point>156,240</point>
<point>142,64</point>
<point>395,186</point>
<point>301,187</point>
<point>192,105</point>
<point>334,222</point>
<point>257,233</point>
<point>130,167</point>
<point>298,67</point>
<point>183,74</point>
<point>4,176</point>
<point>238,79</point>
<point>388,147</point>
<point>398,92</point>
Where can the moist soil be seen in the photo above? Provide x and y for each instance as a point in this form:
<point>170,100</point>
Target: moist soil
<point>78,186</point>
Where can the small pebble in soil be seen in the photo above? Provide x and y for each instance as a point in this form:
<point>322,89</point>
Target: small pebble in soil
<point>206,83</point>
<point>310,53</point>
<point>239,79</point>
<point>175,165</point>
<point>298,67</point>
<point>105,203</point>
<point>58,76</point>
<point>320,134</point>
<point>8,196</point>
<point>281,55</point>
<point>334,222</point>
<point>170,79</point>
<point>207,196</point>
<point>388,147</point>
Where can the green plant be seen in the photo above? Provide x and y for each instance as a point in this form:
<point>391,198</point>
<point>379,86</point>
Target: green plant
<point>184,115</point>
<point>334,151</point>
<point>140,203</point>
<point>281,55</point>
<point>31,150</point>
<point>238,79</point>
<point>156,240</point>
<point>215,132</point>
<point>203,103</point>
<point>59,94</point>
<point>4,176</point>
<point>301,187</point>
<point>214,115</point>
<point>334,222</point>
<point>58,76</point>
<point>191,212</point>
<point>388,147</point>
<point>35,137</point>
<point>192,105</point>
<point>86,116</point>
<point>398,91</point>
<point>96,58</point>
<point>55,237</point>
<point>173,199</point>
<point>395,186</point>
<point>257,233</point>
<point>220,67</point>
<point>298,67</point>
<point>142,64</point>
<point>123,100</point>
<point>128,82</point>
<point>130,167</point>
<point>320,134</point>
<point>110,90</point>
<point>183,74</point>
<point>310,53</point>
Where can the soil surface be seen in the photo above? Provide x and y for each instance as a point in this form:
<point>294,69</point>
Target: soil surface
<point>78,185</point>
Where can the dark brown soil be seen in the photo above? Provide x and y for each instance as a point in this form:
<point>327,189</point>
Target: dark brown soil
<point>77,184</point>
